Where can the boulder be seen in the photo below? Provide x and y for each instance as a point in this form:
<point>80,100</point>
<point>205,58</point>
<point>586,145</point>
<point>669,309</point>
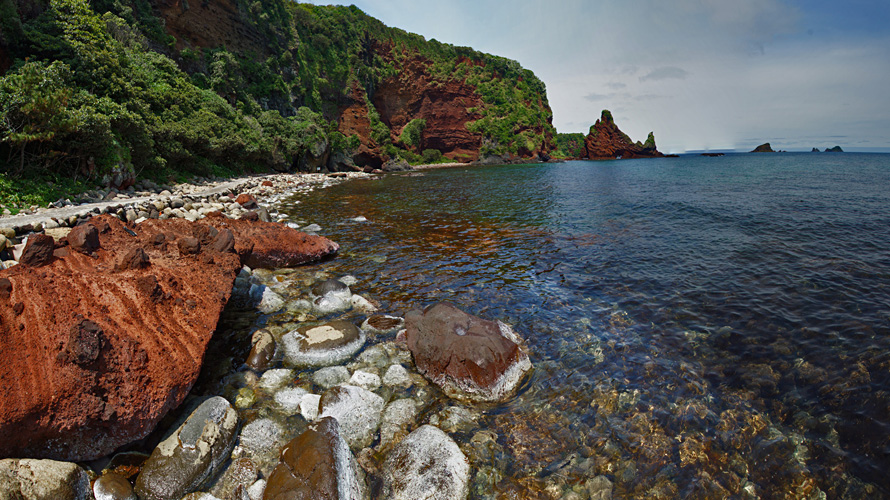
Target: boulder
<point>468,357</point>
<point>247,201</point>
<point>323,345</point>
<point>38,251</point>
<point>269,245</point>
<point>358,411</point>
<point>84,239</point>
<point>426,465</point>
<point>317,464</point>
<point>96,354</point>
<point>192,454</point>
<point>43,480</point>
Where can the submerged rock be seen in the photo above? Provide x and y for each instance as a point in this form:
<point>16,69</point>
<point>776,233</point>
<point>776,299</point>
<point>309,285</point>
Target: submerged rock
<point>324,345</point>
<point>358,411</point>
<point>192,454</point>
<point>426,465</point>
<point>317,465</point>
<point>113,486</point>
<point>43,480</point>
<point>468,357</point>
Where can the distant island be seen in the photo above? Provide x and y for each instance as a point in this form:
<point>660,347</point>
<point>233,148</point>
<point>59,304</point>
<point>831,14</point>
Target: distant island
<point>836,149</point>
<point>763,148</point>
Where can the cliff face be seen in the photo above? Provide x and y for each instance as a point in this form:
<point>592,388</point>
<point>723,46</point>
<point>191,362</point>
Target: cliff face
<point>209,25</point>
<point>606,141</point>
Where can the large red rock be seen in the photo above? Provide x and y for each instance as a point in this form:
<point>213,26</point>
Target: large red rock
<point>97,348</point>
<point>271,245</point>
<point>606,141</point>
<point>468,357</point>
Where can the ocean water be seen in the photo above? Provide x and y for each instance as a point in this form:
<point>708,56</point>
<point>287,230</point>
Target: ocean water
<point>700,327</point>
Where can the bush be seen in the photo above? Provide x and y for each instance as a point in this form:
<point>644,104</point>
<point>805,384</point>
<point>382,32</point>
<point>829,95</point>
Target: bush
<point>432,156</point>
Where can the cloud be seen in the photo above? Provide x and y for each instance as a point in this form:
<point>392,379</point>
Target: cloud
<point>616,85</point>
<point>665,73</point>
<point>598,97</point>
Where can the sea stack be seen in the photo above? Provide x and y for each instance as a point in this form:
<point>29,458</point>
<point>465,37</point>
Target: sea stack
<point>763,148</point>
<point>606,141</point>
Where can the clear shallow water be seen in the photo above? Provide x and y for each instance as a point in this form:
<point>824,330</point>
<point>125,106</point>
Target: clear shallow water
<point>700,327</point>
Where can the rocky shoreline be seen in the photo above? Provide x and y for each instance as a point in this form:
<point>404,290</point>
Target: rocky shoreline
<point>333,399</point>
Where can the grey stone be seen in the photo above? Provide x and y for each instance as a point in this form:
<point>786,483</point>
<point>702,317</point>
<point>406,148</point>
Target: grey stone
<point>426,465</point>
<point>330,376</point>
<point>43,480</point>
<point>113,486</point>
<point>397,376</point>
<point>600,488</point>
<point>323,345</point>
<point>235,480</point>
<point>365,380</point>
<point>398,417</point>
<point>358,411</point>
<point>192,454</point>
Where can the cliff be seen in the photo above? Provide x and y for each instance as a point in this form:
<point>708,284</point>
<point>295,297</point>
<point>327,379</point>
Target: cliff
<point>256,85</point>
<point>606,141</point>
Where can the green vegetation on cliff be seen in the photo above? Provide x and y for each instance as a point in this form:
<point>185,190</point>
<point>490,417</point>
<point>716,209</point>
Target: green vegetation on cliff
<point>569,146</point>
<point>101,88</point>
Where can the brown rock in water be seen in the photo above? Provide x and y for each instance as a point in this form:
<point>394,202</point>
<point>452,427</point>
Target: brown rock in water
<point>469,357</point>
<point>38,251</point>
<point>94,357</point>
<point>270,245</point>
<point>606,141</point>
<point>316,465</point>
<point>84,238</point>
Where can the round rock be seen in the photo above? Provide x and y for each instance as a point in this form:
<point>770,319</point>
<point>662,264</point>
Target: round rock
<point>323,345</point>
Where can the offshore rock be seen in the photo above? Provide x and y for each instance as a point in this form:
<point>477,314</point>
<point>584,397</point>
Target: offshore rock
<point>763,148</point>
<point>324,345</point>
<point>43,480</point>
<point>95,354</point>
<point>468,357</point>
<point>192,454</point>
<point>607,141</point>
<point>426,465</point>
<point>316,465</point>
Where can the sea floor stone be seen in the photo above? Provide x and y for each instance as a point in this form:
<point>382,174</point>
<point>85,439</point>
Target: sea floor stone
<point>358,411</point>
<point>323,345</point>
<point>426,465</point>
<point>43,480</point>
<point>192,454</point>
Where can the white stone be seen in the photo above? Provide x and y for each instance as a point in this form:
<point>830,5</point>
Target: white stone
<point>261,435</point>
<point>362,304</point>
<point>365,380</point>
<point>273,379</point>
<point>309,406</point>
<point>270,302</point>
<point>426,465</point>
<point>289,399</point>
<point>397,376</point>
<point>357,410</point>
<point>330,376</point>
<point>256,490</point>
<point>397,418</point>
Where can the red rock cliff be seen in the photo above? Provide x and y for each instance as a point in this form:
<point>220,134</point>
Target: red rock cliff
<point>607,141</point>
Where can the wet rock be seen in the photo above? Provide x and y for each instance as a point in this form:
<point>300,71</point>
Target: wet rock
<point>398,417</point>
<point>330,376</point>
<point>324,345</point>
<point>274,379</point>
<point>262,351</point>
<point>43,480</point>
<point>365,380</point>
<point>381,324</point>
<point>262,439</point>
<point>38,250</point>
<point>84,239</point>
<point>192,454</point>
<point>289,399</point>
<point>358,411</point>
<point>317,465</point>
<point>329,286</point>
<point>113,486</point>
<point>468,357</point>
<point>426,465</point>
<point>236,480</point>
<point>397,376</point>
<point>309,406</point>
<point>455,419</point>
<point>599,488</point>
<point>270,302</point>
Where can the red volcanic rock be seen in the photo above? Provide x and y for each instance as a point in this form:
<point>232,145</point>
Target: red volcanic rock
<point>606,141</point>
<point>97,349</point>
<point>246,201</point>
<point>270,245</point>
<point>268,183</point>
<point>84,238</point>
<point>469,357</point>
<point>38,251</point>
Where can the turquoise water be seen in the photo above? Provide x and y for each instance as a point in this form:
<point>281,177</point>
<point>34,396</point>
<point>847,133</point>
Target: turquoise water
<point>700,327</point>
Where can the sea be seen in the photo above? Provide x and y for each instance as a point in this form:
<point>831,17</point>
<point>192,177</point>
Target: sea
<point>700,327</point>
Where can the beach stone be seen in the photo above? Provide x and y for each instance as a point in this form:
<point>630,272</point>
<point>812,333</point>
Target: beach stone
<point>58,234</point>
<point>397,376</point>
<point>468,357</point>
<point>43,480</point>
<point>323,345</point>
<point>84,239</point>
<point>289,399</point>
<point>317,464</point>
<point>362,304</point>
<point>262,351</point>
<point>398,416</point>
<point>330,376</point>
<point>3,242</point>
<point>113,486</point>
<point>223,242</point>
<point>274,379</point>
<point>309,406</point>
<point>381,324</point>
<point>270,302</point>
<point>38,250</point>
<point>426,465</point>
<point>235,480</point>
<point>327,286</point>
<point>246,201</point>
<point>599,488</point>
<point>358,411</point>
<point>190,455</point>
<point>261,439</point>
<point>365,380</point>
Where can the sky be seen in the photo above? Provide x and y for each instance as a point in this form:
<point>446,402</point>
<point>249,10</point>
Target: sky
<point>701,74</point>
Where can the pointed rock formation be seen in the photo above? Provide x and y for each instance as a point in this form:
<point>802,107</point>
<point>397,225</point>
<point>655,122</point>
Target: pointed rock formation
<point>606,141</point>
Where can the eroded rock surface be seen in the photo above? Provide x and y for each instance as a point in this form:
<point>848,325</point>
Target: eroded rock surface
<point>468,357</point>
<point>607,141</point>
<point>43,480</point>
<point>426,465</point>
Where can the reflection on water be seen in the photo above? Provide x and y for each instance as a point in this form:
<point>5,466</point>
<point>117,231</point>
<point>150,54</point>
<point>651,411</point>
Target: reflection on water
<point>701,327</point>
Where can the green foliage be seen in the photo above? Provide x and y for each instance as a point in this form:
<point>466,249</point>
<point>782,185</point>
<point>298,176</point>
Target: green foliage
<point>569,146</point>
<point>411,132</point>
<point>432,156</point>
<point>650,141</point>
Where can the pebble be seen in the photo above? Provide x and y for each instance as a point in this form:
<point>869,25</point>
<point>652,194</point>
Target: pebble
<point>365,380</point>
<point>330,376</point>
<point>397,376</point>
